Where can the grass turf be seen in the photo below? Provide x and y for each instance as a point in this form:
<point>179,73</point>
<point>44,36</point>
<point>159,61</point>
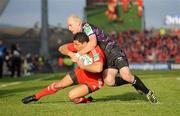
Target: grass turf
<point>109,101</point>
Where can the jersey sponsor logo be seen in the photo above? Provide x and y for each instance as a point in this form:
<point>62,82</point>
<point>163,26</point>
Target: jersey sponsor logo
<point>87,60</point>
<point>87,29</point>
<point>172,20</point>
<point>95,55</point>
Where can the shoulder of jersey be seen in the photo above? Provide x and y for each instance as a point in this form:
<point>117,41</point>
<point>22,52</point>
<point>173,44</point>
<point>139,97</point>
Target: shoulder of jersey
<point>86,25</point>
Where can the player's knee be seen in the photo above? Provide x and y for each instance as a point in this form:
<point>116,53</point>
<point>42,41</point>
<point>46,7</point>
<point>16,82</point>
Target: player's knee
<point>71,96</point>
<point>109,81</point>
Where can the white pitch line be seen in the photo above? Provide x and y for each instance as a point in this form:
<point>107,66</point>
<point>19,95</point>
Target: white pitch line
<point>10,84</point>
<point>19,82</point>
<point>178,78</point>
<point>137,103</point>
<point>43,78</point>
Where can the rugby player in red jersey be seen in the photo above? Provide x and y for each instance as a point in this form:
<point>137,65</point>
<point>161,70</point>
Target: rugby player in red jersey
<point>88,77</point>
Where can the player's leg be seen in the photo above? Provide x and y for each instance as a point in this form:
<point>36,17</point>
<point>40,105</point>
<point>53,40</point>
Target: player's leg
<point>87,84</point>
<point>119,61</point>
<point>126,74</point>
<point>50,89</point>
<point>77,94</point>
<point>112,79</point>
<point>137,83</point>
<point>109,76</point>
<point>54,87</point>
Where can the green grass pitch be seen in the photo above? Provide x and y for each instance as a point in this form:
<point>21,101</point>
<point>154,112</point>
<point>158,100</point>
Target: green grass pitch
<point>109,101</point>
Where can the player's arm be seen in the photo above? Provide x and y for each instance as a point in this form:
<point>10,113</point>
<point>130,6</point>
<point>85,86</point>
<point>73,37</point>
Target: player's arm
<point>69,50</point>
<point>96,67</point>
<point>90,45</point>
<point>65,51</point>
<point>87,28</point>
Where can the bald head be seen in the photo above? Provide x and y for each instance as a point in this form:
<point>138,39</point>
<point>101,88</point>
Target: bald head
<point>74,19</point>
<point>74,24</point>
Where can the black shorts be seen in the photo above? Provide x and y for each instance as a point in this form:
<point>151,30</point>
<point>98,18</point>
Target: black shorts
<point>115,58</point>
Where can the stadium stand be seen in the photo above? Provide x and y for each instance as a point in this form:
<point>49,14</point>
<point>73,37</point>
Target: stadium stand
<point>150,47</point>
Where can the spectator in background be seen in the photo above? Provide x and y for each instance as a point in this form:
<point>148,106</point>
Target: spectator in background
<point>28,66</point>
<point>2,55</point>
<point>16,60</point>
<point>41,63</point>
<point>8,59</point>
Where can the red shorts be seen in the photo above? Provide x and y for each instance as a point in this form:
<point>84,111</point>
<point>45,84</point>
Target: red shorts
<point>94,81</point>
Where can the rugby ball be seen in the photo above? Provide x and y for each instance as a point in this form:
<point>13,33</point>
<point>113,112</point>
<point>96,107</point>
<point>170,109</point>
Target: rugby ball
<point>87,60</point>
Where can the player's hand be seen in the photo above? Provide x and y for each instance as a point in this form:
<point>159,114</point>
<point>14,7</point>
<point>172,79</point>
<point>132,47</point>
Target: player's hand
<point>80,64</point>
<point>73,56</point>
<point>74,59</point>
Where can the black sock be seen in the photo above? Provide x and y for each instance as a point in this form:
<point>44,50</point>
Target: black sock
<point>119,81</point>
<point>139,85</point>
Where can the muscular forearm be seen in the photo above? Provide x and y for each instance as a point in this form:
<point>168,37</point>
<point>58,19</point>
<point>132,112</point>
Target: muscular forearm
<point>64,50</point>
<point>91,45</point>
<point>87,49</point>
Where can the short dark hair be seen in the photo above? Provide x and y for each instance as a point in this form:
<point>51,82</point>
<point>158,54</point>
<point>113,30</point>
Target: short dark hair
<point>81,37</point>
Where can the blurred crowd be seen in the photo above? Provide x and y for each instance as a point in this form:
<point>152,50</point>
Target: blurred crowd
<point>12,57</point>
<point>150,46</point>
<point>14,63</point>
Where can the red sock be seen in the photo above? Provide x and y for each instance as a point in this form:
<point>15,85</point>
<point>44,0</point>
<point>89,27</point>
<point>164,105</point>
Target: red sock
<point>46,91</point>
<point>81,100</point>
